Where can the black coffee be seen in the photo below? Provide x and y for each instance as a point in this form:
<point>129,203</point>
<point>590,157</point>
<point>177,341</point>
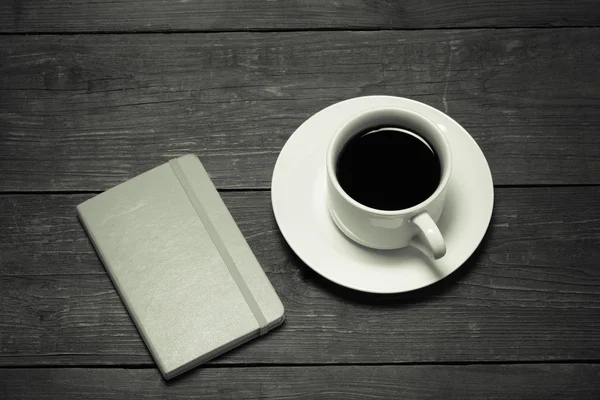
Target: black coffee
<point>387,169</point>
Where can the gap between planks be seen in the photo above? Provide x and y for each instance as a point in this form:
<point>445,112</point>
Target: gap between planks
<point>291,30</point>
<point>309,365</point>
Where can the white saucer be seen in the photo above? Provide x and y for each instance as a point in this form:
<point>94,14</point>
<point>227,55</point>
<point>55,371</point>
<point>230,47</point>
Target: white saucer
<point>298,195</point>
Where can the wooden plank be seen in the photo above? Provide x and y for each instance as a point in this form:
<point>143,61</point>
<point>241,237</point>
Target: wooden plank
<point>545,381</point>
<point>88,112</point>
<point>530,293</point>
<point>206,15</point>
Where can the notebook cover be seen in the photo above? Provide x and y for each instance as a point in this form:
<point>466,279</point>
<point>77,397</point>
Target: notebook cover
<point>181,265</point>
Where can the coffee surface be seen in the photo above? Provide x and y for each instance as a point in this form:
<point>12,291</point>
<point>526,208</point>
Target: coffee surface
<point>387,169</point>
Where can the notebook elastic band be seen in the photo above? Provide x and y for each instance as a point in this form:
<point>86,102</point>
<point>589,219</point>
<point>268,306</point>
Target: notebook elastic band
<point>218,242</point>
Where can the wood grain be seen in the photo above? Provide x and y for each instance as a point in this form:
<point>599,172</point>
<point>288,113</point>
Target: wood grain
<point>206,15</point>
<point>530,293</point>
<point>88,112</point>
<point>544,381</point>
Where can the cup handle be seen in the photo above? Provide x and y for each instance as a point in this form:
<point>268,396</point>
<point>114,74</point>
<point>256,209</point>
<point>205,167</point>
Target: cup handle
<point>429,241</point>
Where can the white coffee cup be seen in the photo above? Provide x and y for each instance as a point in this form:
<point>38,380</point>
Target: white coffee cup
<point>381,229</point>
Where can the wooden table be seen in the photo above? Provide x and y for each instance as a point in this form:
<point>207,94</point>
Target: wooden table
<point>94,92</point>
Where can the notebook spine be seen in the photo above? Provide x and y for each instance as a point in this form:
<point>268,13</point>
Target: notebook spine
<point>118,287</point>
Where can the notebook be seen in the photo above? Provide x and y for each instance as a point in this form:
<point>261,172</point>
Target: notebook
<point>183,269</point>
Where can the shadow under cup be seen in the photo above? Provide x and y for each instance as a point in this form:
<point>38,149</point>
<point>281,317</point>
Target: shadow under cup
<point>387,228</point>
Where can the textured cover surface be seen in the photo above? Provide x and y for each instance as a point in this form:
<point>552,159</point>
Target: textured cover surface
<point>170,272</point>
